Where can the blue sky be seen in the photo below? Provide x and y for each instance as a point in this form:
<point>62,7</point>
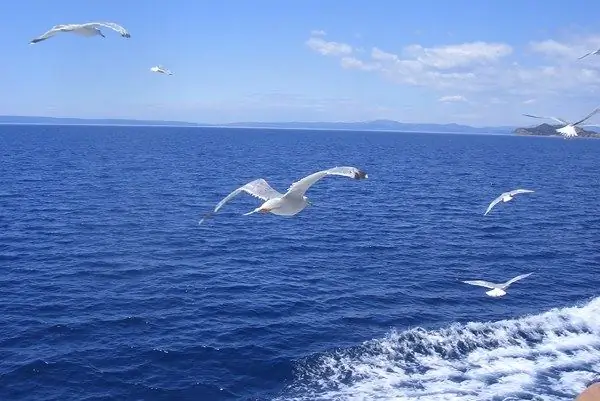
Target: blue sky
<point>431,61</point>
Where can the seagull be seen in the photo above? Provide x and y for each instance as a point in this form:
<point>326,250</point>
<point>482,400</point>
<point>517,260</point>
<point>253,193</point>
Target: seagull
<point>293,201</point>
<point>497,290</point>
<point>88,29</point>
<point>505,197</point>
<point>569,130</point>
<point>595,53</point>
<point>161,69</point>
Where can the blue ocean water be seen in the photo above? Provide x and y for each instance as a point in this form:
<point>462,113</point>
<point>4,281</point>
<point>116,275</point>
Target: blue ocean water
<point>110,290</point>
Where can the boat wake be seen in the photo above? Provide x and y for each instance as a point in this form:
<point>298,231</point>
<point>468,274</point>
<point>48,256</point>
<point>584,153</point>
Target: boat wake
<point>550,356</point>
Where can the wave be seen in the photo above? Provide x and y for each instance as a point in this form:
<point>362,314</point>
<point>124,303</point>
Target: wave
<point>550,356</point>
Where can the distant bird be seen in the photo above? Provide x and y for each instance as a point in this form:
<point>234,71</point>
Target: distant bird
<point>88,29</point>
<point>505,197</point>
<point>497,290</point>
<point>160,69</point>
<point>293,201</point>
<point>595,53</point>
<point>568,131</point>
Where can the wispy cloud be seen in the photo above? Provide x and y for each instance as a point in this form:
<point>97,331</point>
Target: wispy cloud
<point>490,68</point>
<point>529,101</point>
<point>570,49</point>
<point>452,99</point>
<point>318,32</point>
<point>327,48</point>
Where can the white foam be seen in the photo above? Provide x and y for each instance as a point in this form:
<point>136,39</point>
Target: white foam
<point>551,356</point>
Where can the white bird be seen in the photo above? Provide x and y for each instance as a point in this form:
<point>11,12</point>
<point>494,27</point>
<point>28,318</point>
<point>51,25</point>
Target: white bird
<point>569,130</point>
<point>293,201</point>
<point>88,29</point>
<point>497,290</point>
<point>161,69</point>
<point>595,53</point>
<point>505,197</point>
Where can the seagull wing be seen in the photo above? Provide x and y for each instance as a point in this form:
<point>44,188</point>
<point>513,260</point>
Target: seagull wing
<point>53,31</point>
<point>258,188</point>
<point>494,202</point>
<point>481,283</point>
<point>519,191</point>
<point>512,280</point>
<point>588,116</point>
<point>300,187</point>
<point>560,120</point>
<point>115,27</point>
<point>585,55</point>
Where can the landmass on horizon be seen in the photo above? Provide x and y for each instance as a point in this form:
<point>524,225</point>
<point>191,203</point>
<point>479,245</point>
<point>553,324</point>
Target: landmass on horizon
<point>373,125</point>
<point>550,130</point>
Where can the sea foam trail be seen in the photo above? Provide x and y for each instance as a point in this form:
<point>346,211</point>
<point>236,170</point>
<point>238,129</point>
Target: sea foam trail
<point>550,356</point>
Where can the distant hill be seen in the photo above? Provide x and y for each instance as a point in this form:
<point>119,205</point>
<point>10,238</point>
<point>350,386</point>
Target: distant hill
<point>375,125</point>
<point>550,130</point>
<point>85,121</point>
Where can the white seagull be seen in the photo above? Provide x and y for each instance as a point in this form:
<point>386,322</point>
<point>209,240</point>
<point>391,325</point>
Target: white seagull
<point>160,69</point>
<point>293,201</point>
<point>595,53</point>
<point>88,29</point>
<point>497,290</point>
<point>569,130</point>
<point>505,197</point>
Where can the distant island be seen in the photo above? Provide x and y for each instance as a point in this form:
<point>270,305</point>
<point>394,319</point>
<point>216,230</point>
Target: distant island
<point>550,130</point>
<point>374,125</point>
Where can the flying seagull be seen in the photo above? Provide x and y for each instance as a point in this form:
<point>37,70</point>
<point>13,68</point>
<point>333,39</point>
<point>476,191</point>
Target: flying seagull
<point>505,197</point>
<point>293,201</point>
<point>595,53</point>
<point>497,290</point>
<point>568,130</point>
<point>88,29</point>
<point>160,69</point>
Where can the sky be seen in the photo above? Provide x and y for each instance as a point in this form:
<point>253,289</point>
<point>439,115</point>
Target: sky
<point>429,61</point>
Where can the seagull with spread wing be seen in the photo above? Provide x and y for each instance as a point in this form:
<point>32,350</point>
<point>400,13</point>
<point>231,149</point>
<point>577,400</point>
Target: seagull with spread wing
<point>505,197</point>
<point>294,200</point>
<point>569,130</point>
<point>88,30</point>
<point>161,70</point>
<point>496,290</point>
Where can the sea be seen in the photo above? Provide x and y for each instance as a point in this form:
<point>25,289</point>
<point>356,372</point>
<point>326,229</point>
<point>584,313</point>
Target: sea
<point>110,289</point>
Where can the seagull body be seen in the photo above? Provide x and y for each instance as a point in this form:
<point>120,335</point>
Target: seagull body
<point>505,197</point>
<point>595,53</point>
<point>160,69</point>
<point>496,290</point>
<point>569,130</point>
<point>294,200</point>
<point>88,30</point>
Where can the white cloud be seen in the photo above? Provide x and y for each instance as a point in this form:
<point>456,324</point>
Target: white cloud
<point>318,32</point>
<point>452,56</point>
<point>328,48</point>
<point>553,48</point>
<point>452,99</point>
<point>495,69</point>
<point>352,62</point>
<point>570,49</point>
<point>529,101</point>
